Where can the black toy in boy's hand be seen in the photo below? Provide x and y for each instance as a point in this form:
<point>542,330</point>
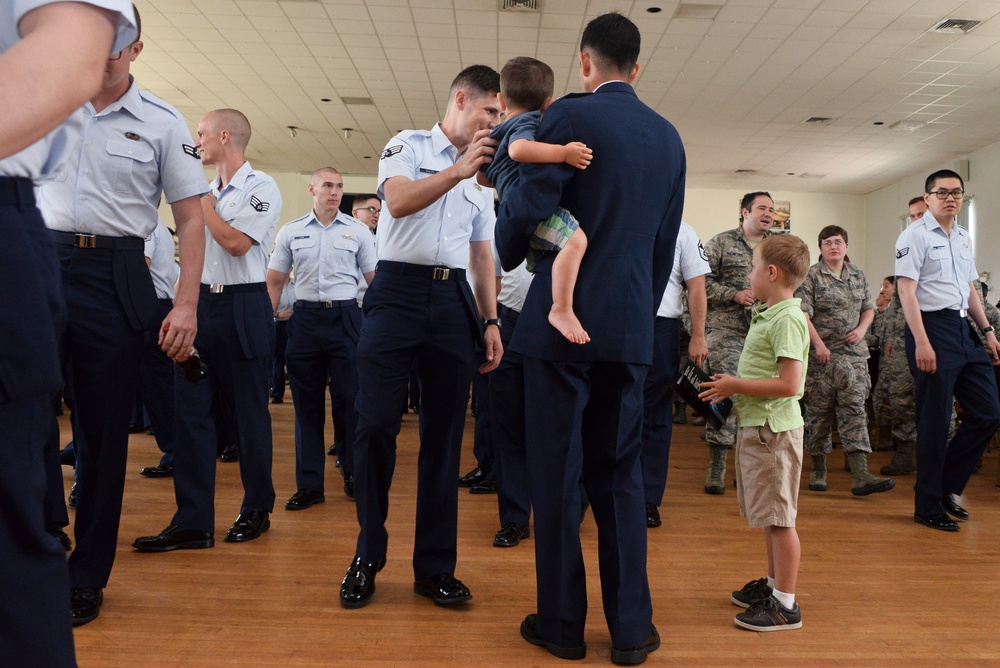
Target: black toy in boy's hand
<point>689,386</point>
<point>194,369</point>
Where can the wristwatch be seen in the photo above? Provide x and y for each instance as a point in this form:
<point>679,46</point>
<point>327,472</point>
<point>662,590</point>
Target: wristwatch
<point>491,321</point>
<point>989,329</point>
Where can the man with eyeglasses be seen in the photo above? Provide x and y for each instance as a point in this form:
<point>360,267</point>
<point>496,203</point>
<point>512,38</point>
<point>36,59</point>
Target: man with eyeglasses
<point>367,208</point>
<point>99,210</point>
<point>935,271</point>
<point>839,310</point>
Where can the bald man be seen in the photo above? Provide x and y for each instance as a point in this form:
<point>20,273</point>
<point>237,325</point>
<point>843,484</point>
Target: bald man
<point>329,251</point>
<point>235,340</point>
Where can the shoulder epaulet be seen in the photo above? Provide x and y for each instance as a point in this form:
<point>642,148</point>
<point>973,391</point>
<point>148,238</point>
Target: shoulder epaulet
<point>158,102</point>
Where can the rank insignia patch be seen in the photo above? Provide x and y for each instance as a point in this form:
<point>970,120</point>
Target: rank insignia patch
<point>701,252</point>
<point>391,151</point>
<point>191,150</point>
<point>902,252</point>
<point>257,204</point>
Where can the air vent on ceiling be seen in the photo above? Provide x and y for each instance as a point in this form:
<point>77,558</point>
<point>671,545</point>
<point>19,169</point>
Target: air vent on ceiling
<point>520,5</point>
<point>817,120</point>
<point>745,171</point>
<point>696,11</point>
<point>955,26</point>
<point>357,100</point>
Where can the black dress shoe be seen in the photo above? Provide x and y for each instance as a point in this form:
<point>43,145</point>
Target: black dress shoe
<point>67,457</point>
<point>349,487</point>
<point>358,586</point>
<point>158,471</point>
<point>333,450</point>
<point>175,538</point>
<point>529,631</point>
<point>940,522</point>
<point>510,535</point>
<point>85,604</point>
<point>61,536</point>
<point>336,464</point>
<point>633,656</point>
<point>474,476</point>
<point>71,500</point>
<point>443,589</point>
<point>652,515</point>
<point>277,400</point>
<point>248,526</point>
<point>230,454</point>
<point>304,498</point>
<point>136,428</point>
<point>953,509</point>
<point>484,487</point>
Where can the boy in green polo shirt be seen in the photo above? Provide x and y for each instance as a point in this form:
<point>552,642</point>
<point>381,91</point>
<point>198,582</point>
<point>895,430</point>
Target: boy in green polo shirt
<point>766,392</point>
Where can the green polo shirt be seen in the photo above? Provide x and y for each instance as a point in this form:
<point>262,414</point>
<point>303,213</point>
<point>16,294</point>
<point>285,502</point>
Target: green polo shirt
<point>778,331</point>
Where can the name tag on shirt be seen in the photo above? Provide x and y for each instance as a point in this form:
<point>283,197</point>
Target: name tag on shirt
<point>424,170</point>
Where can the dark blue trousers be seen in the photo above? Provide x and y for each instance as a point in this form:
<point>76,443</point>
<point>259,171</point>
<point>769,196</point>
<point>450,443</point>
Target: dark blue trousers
<point>409,318</point>
<point>657,416</point>
<point>278,365</point>
<point>235,340</point>
<point>35,624</point>
<point>156,384</point>
<point>507,428</point>
<point>584,418</point>
<point>110,303</point>
<point>482,439</point>
<point>322,344</point>
<point>964,372</point>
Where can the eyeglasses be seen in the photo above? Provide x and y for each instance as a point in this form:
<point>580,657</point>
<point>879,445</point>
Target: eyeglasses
<point>370,209</point>
<point>944,194</point>
<point>116,56</point>
<point>833,242</point>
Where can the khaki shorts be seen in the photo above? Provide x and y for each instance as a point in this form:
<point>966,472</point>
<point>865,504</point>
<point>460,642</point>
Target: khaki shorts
<point>768,468</point>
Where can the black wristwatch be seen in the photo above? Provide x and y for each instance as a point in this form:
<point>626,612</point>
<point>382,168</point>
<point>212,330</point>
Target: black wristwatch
<point>989,329</point>
<point>491,321</point>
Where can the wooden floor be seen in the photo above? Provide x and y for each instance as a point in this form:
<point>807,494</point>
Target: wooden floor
<point>875,588</point>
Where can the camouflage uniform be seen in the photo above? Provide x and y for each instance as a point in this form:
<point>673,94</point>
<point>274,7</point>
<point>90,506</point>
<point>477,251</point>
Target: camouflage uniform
<point>992,314</point>
<point>730,256</point>
<point>895,382</point>
<point>841,386</point>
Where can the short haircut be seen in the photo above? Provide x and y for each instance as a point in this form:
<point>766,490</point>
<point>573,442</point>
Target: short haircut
<point>477,81</point>
<point>234,121</point>
<point>138,23</point>
<point>915,200</point>
<point>941,174</point>
<point>613,42</point>
<point>526,83</point>
<point>316,174</point>
<point>832,231</point>
<point>364,197</point>
<point>749,198</point>
<point>789,254</point>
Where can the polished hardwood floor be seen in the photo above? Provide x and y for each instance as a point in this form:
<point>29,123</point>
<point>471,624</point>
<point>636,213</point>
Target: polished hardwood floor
<point>875,588</point>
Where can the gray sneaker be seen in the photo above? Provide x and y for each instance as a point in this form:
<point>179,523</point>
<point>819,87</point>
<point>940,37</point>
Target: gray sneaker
<point>756,590</point>
<point>769,615</point>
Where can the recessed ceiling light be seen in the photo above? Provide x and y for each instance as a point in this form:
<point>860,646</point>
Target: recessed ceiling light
<point>326,99</point>
<point>878,123</point>
<point>654,10</point>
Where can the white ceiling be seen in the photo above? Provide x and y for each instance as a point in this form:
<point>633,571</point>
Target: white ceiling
<point>737,87</point>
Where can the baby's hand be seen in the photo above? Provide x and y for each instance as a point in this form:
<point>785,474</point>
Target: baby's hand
<point>578,155</point>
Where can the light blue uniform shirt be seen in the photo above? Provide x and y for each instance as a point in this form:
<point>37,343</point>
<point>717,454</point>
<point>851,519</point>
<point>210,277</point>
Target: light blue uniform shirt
<point>48,153</point>
<point>941,265</point>
<point>129,153</point>
<point>160,250</point>
<point>690,261</point>
<point>326,259</point>
<point>251,203</point>
<point>439,234</point>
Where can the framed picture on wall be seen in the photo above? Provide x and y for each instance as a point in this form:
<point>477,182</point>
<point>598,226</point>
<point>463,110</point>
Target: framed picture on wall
<point>782,217</point>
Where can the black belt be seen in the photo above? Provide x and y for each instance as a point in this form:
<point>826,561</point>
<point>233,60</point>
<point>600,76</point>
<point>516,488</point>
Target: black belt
<point>301,303</point>
<point>953,312</point>
<point>436,273</point>
<point>508,311</point>
<point>95,241</point>
<point>17,190</point>
<point>219,288</point>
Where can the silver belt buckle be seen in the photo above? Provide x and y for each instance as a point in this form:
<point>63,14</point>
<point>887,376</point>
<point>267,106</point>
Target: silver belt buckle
<point>963,312</point>
<point>326,304</point>
<point>216,288</point>
<point>441,273</point>
<point>85,241</point>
